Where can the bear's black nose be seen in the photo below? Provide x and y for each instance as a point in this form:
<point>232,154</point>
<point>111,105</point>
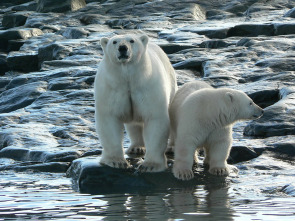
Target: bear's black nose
<point>123,49</point>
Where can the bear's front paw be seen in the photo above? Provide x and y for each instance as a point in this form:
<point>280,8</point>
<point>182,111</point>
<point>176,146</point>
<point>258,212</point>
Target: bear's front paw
<point>219,171</point>
<point>151,167</point>
<point>183,174</point>
<point>138,150</point>
<point>116,163</point>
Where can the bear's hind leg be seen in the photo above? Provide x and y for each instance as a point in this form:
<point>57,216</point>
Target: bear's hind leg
<point>219,149</point>
<point>134,130</point>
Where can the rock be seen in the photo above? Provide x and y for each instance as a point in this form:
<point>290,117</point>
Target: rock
<point>3,66</point>
<point>284,29</point>
<point>57,6</point>
<point>278,63</point>
<point>29,6</point>
<point>193,63</point>
<point>290,13</point>
<point>251,30</point>
<point>21,96</point>
<point>14,45</point>
<point>277,120</point>
<point>11,20</point>
<point>241,153</point>
<point>75,33</point>
<point>283,150</point>
<point>214,44</point>
<point>53,51</point>
<point>265,98</point>
<point>23,61</point>
<point>17,33</point>
<point>91,177</point>
<point>289,189</point>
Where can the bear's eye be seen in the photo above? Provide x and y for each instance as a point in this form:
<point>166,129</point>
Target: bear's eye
<point>132,41</point>
<point>251,103</point>
<point>114,42</point>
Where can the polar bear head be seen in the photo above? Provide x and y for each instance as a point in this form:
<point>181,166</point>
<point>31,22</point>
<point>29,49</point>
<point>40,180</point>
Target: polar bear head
<point>245,107</point>
<point>124,48</point>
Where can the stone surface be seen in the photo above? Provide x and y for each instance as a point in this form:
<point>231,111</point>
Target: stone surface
<point>47,69</point>
<point>11,20</point>
<point>58,6</point>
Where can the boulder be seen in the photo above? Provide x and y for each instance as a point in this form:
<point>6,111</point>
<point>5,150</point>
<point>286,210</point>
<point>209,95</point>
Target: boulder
<point>60,6</point>
<point>23,61</point>
<point>11,20</point>
<point>21,96</point>
<point>290,13</point>
<point>17,33</point>
<point>251,30</point>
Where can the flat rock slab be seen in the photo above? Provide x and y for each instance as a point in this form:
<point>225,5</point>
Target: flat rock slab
<point>89,176</point>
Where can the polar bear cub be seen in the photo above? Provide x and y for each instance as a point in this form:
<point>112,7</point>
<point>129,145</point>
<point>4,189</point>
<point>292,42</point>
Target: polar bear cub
<point>134,86</point>
<point>202,116</point>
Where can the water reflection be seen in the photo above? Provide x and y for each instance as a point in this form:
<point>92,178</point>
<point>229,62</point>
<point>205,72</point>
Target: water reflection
<point>208,202</point>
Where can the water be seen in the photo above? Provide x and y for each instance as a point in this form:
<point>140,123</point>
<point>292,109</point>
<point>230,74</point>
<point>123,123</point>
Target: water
<point>50,196</point>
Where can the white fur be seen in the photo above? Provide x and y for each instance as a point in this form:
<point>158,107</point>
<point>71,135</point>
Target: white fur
<point>134,91</point>
<point>202,116</point>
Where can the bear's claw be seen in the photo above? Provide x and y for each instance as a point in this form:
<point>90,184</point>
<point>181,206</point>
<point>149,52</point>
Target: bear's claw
<point>150,167</point>
<point>219,171</point>
<point>122,164</point>
<point>185,174</point>
<point>136,150</point>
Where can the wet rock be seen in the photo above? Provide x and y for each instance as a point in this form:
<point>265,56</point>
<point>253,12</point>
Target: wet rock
<point>289,189</point>
<point>11,20</point>
<point>53,51</point>
<point>55,167</point>
<point>214,44</point>
<point>23,61</point>
<point>265,98</point>
<point>15,45</point>
<point>284,150</point>
<point>3,66</point>
<point>21,96</point>
<point>57,6</point>
<point>17,33</point>
<point>192,63</point>
<point>277,120</point>
<point>30,6</point>
<point>278,63</point>
<point>251,30</point>
<point>242,153</point>
<point>284,29</point>
<point>290,13</point>
<point>75,33</point>
<point>91,177</point>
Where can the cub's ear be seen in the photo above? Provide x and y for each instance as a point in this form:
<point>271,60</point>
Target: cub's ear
<point>104,42</point>
<point>144,39</point>
<point>229,96</point>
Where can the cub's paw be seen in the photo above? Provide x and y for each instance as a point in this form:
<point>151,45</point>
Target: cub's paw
<point>138,150</point>
<point>116,163</point>
<point>219,171</point>
<point>151,167</point>
<point>183,174</point>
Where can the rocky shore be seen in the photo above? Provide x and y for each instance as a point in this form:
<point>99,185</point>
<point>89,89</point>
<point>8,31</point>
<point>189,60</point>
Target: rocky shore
<point>48,60</point>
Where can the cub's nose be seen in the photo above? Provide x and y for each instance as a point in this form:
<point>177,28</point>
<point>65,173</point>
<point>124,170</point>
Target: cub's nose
<point>123,49</point>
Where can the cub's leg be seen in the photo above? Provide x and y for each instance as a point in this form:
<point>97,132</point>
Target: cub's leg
<point>184,156</point>
<point>219,149</point>
<point>110,132</point>
<point>135,134</point>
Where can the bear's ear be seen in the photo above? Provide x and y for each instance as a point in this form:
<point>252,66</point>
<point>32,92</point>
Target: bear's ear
<point>230,96</point>
<point>104,42</point>
<point>144,39</point>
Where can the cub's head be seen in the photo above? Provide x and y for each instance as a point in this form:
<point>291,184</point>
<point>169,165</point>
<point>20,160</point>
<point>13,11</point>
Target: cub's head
<point>124,48</point>
<point>245,107</point>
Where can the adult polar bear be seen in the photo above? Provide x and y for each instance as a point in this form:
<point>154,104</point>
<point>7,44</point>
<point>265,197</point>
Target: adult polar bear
<point>202,116</point>
<point>134,86</point>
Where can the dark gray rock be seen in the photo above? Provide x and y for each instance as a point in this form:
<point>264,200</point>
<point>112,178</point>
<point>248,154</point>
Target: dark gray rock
<point>283,150</point>
<point>21,96</point>
<point>58,6</point>
<point>75,33</point>
<point>214,44</point>
<point>17,33</point>
<point>15,45</point>
<point>23,61</point>
<point>265,98</point>
<point>290,13</point>
<point>91,177</point>
<point>192,63</point>
<point>11,20</point>
<point>29,6</point>
<point>251,30</point>
<point>3,65</point>
<point>242,153</point>
<point>284,29</point>
<point>277,120</point>
<point>53,51</point>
